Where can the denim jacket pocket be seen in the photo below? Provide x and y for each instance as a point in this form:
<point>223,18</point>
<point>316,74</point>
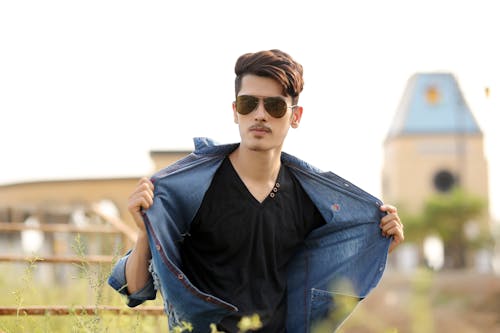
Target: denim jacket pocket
<point>330,309</point>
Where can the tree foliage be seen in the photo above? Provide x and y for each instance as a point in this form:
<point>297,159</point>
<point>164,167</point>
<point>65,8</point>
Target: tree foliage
<point>447,215</point>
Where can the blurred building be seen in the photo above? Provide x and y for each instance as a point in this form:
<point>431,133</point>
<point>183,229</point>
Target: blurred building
<point>433,144</point>
<point>68,202</point>
<point>20,200</point>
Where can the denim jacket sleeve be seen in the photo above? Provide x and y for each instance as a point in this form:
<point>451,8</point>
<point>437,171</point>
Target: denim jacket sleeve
<point>118,281</point>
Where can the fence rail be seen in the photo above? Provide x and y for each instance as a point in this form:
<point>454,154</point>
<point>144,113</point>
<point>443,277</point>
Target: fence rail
<point>91,259</point>
<point>78,310</point>
<point>117,223</point>
<point>113,225</point>
<point>59,227</point>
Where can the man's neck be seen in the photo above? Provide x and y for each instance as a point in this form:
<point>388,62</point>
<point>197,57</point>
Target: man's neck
<point>257,169</point>
<point>258,166</point>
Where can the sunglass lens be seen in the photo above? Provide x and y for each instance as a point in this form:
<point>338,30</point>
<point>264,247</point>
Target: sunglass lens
<point>246,104</point>
<point>275,106</point>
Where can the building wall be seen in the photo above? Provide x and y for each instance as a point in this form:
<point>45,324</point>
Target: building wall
<point>19,200</point>
<point>411,163</point>
<point>64,195</point>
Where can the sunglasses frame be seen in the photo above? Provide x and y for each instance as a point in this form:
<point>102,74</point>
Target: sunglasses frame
<point>274,114</point>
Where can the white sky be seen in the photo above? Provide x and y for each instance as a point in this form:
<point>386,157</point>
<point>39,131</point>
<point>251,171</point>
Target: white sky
<point>87,88</point>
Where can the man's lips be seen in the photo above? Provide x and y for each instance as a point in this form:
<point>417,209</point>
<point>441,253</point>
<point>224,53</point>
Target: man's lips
<point>260,128</point>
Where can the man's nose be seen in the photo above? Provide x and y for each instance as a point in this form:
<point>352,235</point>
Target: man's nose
<point>260,111</point>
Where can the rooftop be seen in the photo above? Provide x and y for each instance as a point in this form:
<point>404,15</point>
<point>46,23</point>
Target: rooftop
<point>433,104</point>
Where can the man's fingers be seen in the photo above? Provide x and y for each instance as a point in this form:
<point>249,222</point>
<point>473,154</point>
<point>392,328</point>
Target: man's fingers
<point>143,185</point>
<point>142,197</point>
<point>142,201</point>
<point>390,223</point>
<point>392,226</point>
<point>389,209</point>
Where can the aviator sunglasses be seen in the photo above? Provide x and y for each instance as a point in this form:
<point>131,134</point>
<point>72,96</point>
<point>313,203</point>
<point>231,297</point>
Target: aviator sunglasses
<point>275,106</point>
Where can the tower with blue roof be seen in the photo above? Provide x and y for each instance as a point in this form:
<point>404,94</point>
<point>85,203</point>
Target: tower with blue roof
<point>433,144</point>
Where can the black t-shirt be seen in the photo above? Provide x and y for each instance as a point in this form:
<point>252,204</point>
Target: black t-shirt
<point>238,249</point>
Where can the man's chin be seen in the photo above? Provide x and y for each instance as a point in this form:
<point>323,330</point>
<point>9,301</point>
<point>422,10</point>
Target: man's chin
<point>255,145</point>
<point>259,144</point>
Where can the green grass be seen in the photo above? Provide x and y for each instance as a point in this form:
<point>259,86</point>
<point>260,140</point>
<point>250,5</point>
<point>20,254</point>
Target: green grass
<point>20,287</point>
<point>82,285</point>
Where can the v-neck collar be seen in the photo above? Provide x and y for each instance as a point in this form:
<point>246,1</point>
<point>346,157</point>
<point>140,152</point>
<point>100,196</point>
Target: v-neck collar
<point>270,196</point>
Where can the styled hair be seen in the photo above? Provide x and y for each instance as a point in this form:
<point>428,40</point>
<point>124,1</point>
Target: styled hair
<point>274,64</point>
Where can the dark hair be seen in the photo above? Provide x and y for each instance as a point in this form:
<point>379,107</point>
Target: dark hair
<point>274,64</point>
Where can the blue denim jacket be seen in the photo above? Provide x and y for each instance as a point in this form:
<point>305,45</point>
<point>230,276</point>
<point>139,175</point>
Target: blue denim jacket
<point>336,267</point>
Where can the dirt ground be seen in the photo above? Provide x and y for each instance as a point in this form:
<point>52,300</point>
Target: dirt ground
<point>429,302</point>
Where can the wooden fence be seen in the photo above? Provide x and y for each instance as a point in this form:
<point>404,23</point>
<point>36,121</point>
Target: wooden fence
<point>113,225</point>
<point>78,310</point>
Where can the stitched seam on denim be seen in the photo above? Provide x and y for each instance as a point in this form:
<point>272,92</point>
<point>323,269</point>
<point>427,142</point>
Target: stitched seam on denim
<point>177,272</point>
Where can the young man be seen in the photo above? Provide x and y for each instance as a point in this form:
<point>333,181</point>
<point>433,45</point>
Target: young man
<point>241,229</point>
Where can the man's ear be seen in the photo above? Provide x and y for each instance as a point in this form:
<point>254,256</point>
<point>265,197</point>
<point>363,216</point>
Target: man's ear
<point>296,116</point>
<point>235,113</point>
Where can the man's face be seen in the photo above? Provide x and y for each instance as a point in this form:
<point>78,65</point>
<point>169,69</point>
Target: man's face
<point>258,129</point>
